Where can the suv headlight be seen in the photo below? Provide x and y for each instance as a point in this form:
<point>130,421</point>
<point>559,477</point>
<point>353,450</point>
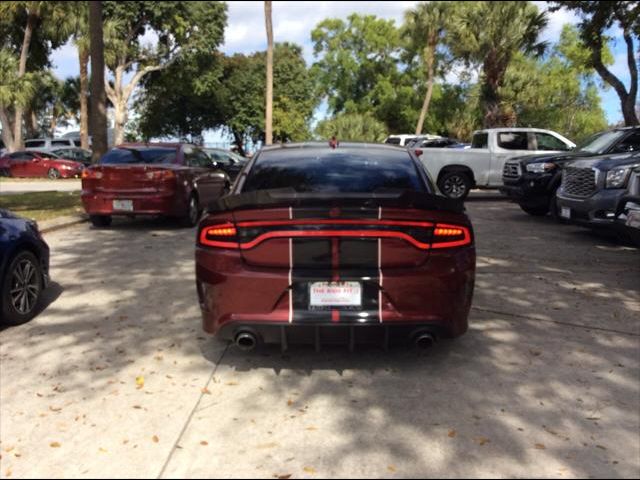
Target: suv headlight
<point>540,167</point>
<point>617,177</point>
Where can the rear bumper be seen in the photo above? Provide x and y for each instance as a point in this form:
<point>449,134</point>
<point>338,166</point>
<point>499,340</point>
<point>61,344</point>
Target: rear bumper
<point>436,296</point>
<point>596,210</point>
<point>143,204</point>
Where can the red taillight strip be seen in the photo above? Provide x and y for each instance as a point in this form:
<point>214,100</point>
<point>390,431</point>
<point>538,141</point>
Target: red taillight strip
<point>311,221</point>
<point>448,230</point>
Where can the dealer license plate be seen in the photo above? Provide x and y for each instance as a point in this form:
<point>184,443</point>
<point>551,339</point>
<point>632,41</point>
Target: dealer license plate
<point>123,205</point>
<point>335,294</point>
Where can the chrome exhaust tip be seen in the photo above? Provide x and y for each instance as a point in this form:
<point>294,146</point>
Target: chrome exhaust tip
<point>246,341</point>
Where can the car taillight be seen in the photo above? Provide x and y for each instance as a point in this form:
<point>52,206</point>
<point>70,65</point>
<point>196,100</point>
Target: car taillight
<point>87,173</point>
<point>161,175</point>
<point>222,235</point>
<point>447,236</point>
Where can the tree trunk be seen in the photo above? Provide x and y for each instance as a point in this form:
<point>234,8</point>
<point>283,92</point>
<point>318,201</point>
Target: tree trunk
<point>489,93</point>
<point>98,95</point>
<point>54,124</point>
<point>268,121</point>
<point>83,57</point>
<point>31,123</point>
<point>120,120</point>
<point>24,54</point>
<point>427,98</point>
<point>7,129</point>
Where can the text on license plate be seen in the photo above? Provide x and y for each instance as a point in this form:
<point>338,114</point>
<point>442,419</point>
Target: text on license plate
<point>565,212</point>
<point>335,294</point>
<point>126,205</point>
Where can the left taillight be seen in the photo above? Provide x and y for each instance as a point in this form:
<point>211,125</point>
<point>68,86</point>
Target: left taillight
<point>220,235</point>
<point>88,173</point>
<point>448,236</point>
<point>161,175</point>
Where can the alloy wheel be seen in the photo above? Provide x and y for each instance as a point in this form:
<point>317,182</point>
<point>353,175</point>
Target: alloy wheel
<point>454,186</point>
<point>25,287</point>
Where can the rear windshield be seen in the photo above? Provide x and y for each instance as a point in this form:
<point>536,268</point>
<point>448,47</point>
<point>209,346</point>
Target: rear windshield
<point>355,171</point>
<point>139,155</point>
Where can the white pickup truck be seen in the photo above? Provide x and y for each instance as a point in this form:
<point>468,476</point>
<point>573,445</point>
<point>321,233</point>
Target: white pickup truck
<point>456,171</point>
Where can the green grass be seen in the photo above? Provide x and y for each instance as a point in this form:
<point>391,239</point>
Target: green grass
<point>43,205</point>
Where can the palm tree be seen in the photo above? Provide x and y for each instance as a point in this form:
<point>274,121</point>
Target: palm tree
<point>425,26</point>
<point>98,95</point>
<point>268,124</point>
<point>489,34</point>
<point>80,30</point>
<point>358,127</point>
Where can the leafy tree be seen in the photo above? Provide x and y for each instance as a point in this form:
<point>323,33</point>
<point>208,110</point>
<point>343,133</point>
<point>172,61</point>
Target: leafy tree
<point>29,30</point>
<point>490,34</point>
<point>356,56</point>
<point>596,19</point>
<point>181,28</point>
<point>424,28</point>
<point>359,127</point>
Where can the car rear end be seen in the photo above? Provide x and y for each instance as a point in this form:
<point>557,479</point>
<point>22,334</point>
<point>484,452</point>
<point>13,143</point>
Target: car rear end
<point>335,246</point>
<point>135,180</point>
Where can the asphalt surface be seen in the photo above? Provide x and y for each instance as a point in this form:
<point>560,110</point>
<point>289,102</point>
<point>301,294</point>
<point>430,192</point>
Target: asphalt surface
<point>115,377</point>
<point>9,187</point>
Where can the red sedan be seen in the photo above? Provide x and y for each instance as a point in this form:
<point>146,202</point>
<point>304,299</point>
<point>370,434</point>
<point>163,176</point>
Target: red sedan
<point>39,164</point>
<point>321,245</point>
<point>168,179</point>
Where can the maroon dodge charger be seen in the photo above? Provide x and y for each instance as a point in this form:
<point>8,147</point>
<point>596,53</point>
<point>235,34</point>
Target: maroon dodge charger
<point>348,245</point>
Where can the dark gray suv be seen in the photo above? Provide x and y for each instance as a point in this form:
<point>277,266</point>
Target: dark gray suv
<point>592,188</point>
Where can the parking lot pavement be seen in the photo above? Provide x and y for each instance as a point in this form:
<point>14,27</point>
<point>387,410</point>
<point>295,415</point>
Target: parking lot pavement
<point>115,378</point>
<point>9,187</point>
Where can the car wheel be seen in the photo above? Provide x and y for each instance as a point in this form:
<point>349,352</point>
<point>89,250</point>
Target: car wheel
<point>536,211</point>
<point>22,289</point>
<point>53,174</point>
<point>455,185</point>
<point>100,220</point>
<point>193,213</point>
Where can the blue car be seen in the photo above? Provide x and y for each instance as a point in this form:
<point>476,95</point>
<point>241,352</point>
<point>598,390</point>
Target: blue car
<point>24,268</point>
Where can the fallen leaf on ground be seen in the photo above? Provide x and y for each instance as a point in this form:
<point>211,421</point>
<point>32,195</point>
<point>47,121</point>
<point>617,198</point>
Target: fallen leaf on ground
<point>204,443</point>
<point>206,391</point>
<point>309,469</point>
<point>232,384</point>
<point>540,446</point>
<point>155,439</point>
<point>481,440</point>
<point>264,446</point>
<point>601,447</point>
<point>139,382</point>
<point>55,409</point>
<point>283,477</point>
<point>391,468</point>
<point>452,433</point>
<point>311,429</point>
<point>102,450</point>
<point>8,472</point>
<point>289,402</point>
<point>54,445</point>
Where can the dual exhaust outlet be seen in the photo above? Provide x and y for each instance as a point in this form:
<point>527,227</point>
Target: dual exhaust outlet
<point>248,341</point>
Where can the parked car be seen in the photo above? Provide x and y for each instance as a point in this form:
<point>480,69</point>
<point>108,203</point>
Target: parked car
<point>79,155</point>
<point>592,188</point>
<point>229,162</point>
<point>417,139</point>
<point>24,268</point>
<point>315,244</point>
<point>400,140</point>
<point>167,179</point>
<point>441,142</point>
<point>457,171</point>
<point>628,210</point>
<point>50,143</point>
<point>36,163</point>
<point>532,181</point>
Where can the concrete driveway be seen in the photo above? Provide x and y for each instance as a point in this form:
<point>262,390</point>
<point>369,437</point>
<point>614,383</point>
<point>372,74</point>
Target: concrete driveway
<point>9,187</point>
<point>115,377</point>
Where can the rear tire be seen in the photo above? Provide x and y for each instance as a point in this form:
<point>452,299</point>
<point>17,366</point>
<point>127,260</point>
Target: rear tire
<point>455,185</point>
<point>536,211</point>
<point>100,221</point>
<point>53,174</point>
<point>21,289</point>
<point>192,217</point>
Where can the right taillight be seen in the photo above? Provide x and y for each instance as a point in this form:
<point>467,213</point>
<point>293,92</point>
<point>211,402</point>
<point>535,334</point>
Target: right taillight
<point>447,236</point>
<point>161,175</point>
<point>220,235</point>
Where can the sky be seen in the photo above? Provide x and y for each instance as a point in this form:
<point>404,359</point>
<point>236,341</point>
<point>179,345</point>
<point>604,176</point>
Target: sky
<point>293,22</point>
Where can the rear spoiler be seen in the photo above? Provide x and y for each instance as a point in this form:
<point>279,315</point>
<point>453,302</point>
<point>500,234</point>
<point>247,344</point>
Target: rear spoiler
<point>290,198</point>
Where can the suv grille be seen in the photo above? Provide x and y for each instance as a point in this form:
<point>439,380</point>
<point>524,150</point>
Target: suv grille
<point>579,182</point>
<point>511,170</point>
